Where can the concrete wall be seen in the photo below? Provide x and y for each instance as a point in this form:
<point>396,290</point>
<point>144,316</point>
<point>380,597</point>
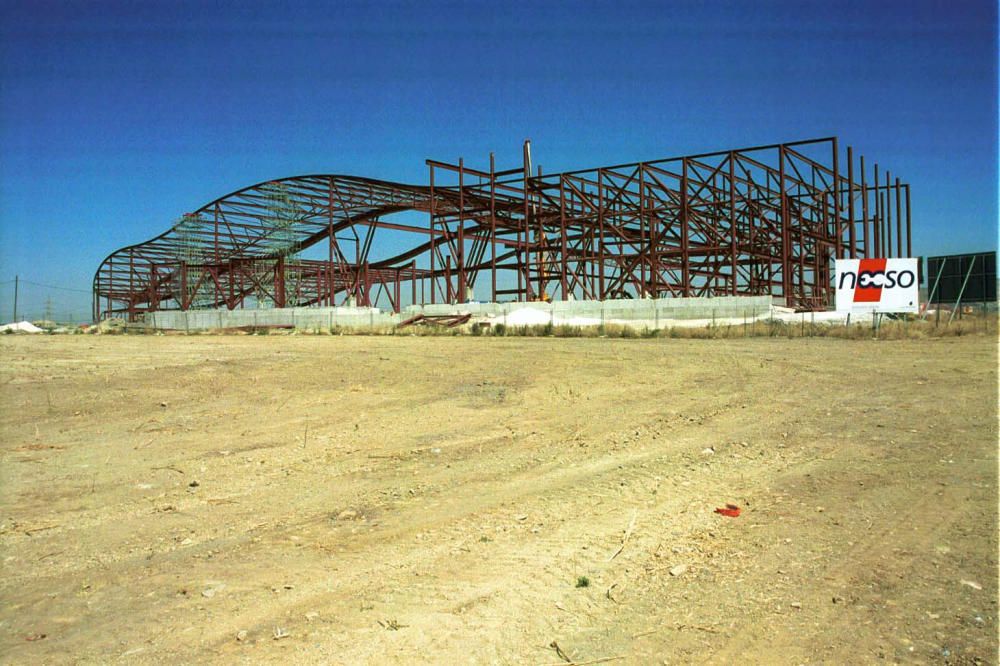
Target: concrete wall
<point>303,318</point>
<point>647,313</point>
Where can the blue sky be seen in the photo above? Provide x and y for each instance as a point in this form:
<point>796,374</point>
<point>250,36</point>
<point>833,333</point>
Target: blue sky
<point>115,118</point>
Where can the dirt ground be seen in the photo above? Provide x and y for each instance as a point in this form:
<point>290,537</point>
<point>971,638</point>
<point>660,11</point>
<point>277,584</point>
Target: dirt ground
<point>461,500</point>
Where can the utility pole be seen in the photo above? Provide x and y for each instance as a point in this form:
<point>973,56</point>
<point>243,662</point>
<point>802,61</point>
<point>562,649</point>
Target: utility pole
<point>16,278</point>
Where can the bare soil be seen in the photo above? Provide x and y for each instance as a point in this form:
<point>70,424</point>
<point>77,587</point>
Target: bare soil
<point>462,500</point>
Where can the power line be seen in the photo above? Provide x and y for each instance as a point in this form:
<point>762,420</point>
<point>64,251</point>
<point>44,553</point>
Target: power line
<point>50,286</point>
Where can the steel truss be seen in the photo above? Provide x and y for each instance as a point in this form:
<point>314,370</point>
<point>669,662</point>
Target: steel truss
<point>761,220</point>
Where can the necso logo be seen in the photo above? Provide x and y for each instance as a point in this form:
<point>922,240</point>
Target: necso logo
<point>872,277</point>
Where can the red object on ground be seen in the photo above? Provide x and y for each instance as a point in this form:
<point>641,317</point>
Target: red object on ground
<point>731,510</point>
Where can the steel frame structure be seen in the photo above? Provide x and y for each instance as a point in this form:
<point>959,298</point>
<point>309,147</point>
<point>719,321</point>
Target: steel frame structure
<point>752,221</point>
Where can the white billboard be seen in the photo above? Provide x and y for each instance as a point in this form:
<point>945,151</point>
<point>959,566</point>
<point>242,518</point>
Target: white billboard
<point>876,285</point>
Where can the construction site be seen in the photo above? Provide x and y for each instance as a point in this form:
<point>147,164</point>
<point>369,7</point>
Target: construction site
<point>718,234</point>
<point>774,493</point>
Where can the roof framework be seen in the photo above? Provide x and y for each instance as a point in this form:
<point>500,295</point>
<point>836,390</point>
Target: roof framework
<point>761,220</point>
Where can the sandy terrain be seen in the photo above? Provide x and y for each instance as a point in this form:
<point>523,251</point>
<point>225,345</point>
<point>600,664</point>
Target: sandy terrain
<point>442,500</point>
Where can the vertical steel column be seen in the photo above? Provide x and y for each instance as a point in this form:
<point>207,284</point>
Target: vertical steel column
<point>888,214</point>
<point>493,227</point>
<point>685,257</point>
<point>369,283</point>
<point>230,297</point>
<point>460,257</point>
<point>215,261</point>
<point>397,306</point>
<point>433,241</point>
<point>909,239</point>
<point>837,222</point>
<point>899,222</point>
<point>643,246</point>
<point>562,237</point>
<point>130,303</point>
<point>447,280</point>
<point>543,258</point>
<point>524,260</point>
<point>153,301</point>
<point>866,232</point>
<point>786,239</point>
<point>183,298</point>
<point>600,224</point>
<point>877,221</point>
<point>331,244</point>
<point>851,231</point>
<point>733,260</point>
<point>279,282</point>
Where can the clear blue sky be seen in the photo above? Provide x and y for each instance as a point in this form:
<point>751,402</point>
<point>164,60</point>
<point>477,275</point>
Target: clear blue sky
<point>116,117</point>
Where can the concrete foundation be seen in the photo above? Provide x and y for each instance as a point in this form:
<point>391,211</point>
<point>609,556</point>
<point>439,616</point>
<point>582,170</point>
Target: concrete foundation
<point>648,313</point>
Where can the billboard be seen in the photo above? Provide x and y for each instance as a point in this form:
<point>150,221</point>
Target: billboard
<point>876,285</point>
<point>946,276</point>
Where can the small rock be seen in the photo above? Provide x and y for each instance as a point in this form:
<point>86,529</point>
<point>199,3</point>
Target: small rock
<point>678,569</point>
<point>163,404</point>
<point>521,517</point>
<point>187,542</point>
<point>241,635</point>
<point>708,451</point>
<point>312,615</point>
<point>193,484</point>
<point>796,604</point>
<point>971,583</point>
<point>280,632</point>
<point>347,514</point>
<point>209,593</point>
<point>838,600</point>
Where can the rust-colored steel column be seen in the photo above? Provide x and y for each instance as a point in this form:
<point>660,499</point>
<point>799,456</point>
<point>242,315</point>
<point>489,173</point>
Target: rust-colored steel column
<point>433,239</point>
<point>685,240</point>
<point>865,231</point>
<point>279,282</point>
<point>525,259</point>
<point>331,244</point>
<point>643,245</point>
<point>460,256</point>
<point>184,279</point>
<point>493,227</point>
<point>877,222</point>
<point>909,239</point>
<point>837,222</point>
<point>562,239</point>
<point>786,240</point>
<point>601,256</point>
<point>733,249</point>
<point>131,286</point>
<point>899,223</point>
<point>851,230</point>
<point>888,214</point>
